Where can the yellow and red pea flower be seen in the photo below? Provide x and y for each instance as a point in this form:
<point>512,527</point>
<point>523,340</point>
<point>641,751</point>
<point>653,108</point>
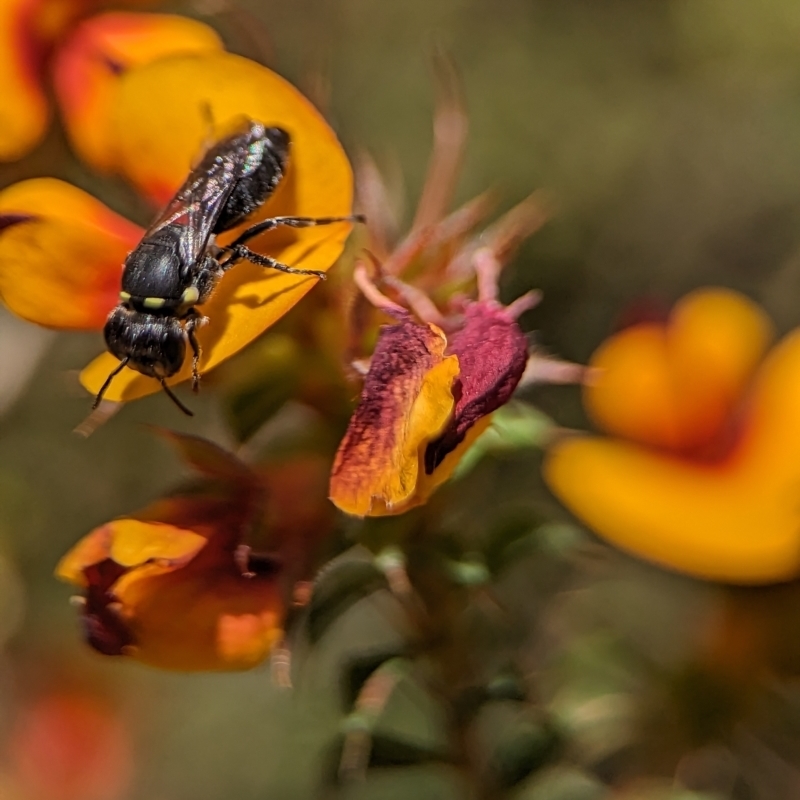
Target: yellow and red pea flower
<point>700,470</point>
<point>61,251</point>
<point>176,586</point>
<point>432,385</point>
<point>425,399</point>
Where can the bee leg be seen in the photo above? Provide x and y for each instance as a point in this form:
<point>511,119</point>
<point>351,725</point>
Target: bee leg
<point>292,222</point>
<point>174,399</point>
<point>191,324</point>
<point>239,253</point>
<point>104,387</point>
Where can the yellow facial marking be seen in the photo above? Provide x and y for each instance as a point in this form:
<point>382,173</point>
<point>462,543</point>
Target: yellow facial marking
<point>124,297</point>
<point>154,302</point>
<point>190,296</point>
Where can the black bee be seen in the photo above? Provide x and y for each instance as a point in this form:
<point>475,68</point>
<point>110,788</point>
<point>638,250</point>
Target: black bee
<point>177,264</point>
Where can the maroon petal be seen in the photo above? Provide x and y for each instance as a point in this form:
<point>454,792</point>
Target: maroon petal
<point>492,353</point>
<point>104,629</point>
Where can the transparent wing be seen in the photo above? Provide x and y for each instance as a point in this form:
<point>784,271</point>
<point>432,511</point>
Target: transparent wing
<point>197,205</point>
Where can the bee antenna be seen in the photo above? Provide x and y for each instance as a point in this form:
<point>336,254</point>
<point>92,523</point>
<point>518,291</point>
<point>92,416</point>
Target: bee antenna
<point>174,399</point>
<point>104,387</point>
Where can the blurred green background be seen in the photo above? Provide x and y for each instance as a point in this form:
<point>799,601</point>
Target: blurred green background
<point>668,131</point>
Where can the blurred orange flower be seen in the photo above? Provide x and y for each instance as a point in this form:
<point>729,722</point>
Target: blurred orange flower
<point>61,251</point>
<point>701,474</point>
<point>85,55</point>
<point>69,745</point>
<point>175,586</point>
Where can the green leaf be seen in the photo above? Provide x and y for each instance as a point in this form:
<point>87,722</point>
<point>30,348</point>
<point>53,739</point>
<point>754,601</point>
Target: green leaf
<point>562,783</point>
<point>526,536</point>
<point>340,584</point>
<point>396,721</point>
<point>359,669</point>
<point>527,746</point>
<point>511,540</point>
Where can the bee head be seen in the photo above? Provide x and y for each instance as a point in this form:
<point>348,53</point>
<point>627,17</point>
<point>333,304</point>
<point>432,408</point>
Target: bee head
<point>153,345</point>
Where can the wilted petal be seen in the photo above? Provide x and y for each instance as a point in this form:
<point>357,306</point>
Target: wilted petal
<point>676,385</point>
<point>734,520</point>
<point>492,352</point>
<point>162,110</point>
<point>406,401</point>
<point>87,69</point>
<point>61,254</point>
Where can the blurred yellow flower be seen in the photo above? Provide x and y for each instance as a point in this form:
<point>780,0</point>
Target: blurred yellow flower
<point>702,471</point>
<point>85,55</point>
<point>91,64</point>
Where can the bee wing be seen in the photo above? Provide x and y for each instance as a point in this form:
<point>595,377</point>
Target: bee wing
<point>198,204</point>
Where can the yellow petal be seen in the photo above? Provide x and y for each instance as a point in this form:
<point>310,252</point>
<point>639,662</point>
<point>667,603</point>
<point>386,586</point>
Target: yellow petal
<point>161,125</point>
<point>406,402</point>
<point>88,66</point>
<point>428,484</point>
<point>675,385</point>
<point>24,112</point>
<point>134,542</point>
<point>61,254</point>
<point>736,520</point>
<point>717,339</point>
<point>91,549</point>
<point>129,542</point>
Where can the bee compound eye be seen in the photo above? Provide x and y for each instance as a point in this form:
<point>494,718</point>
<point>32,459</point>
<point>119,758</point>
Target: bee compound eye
<point>278,138</point>
<point>116,331</point>
<point>172,349</point>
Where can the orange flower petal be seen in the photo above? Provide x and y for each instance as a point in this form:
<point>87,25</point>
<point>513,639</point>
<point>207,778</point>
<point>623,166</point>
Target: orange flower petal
<point>406,402</point>
<point>87,70</point>
<point>161,111</point>
<point>172,597</point>
<point>61,254</point>
<point>200,617</point>
<point>24,113</point>
<point>88,745</point>
<point>737,520</point>
<point>674,386</point>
